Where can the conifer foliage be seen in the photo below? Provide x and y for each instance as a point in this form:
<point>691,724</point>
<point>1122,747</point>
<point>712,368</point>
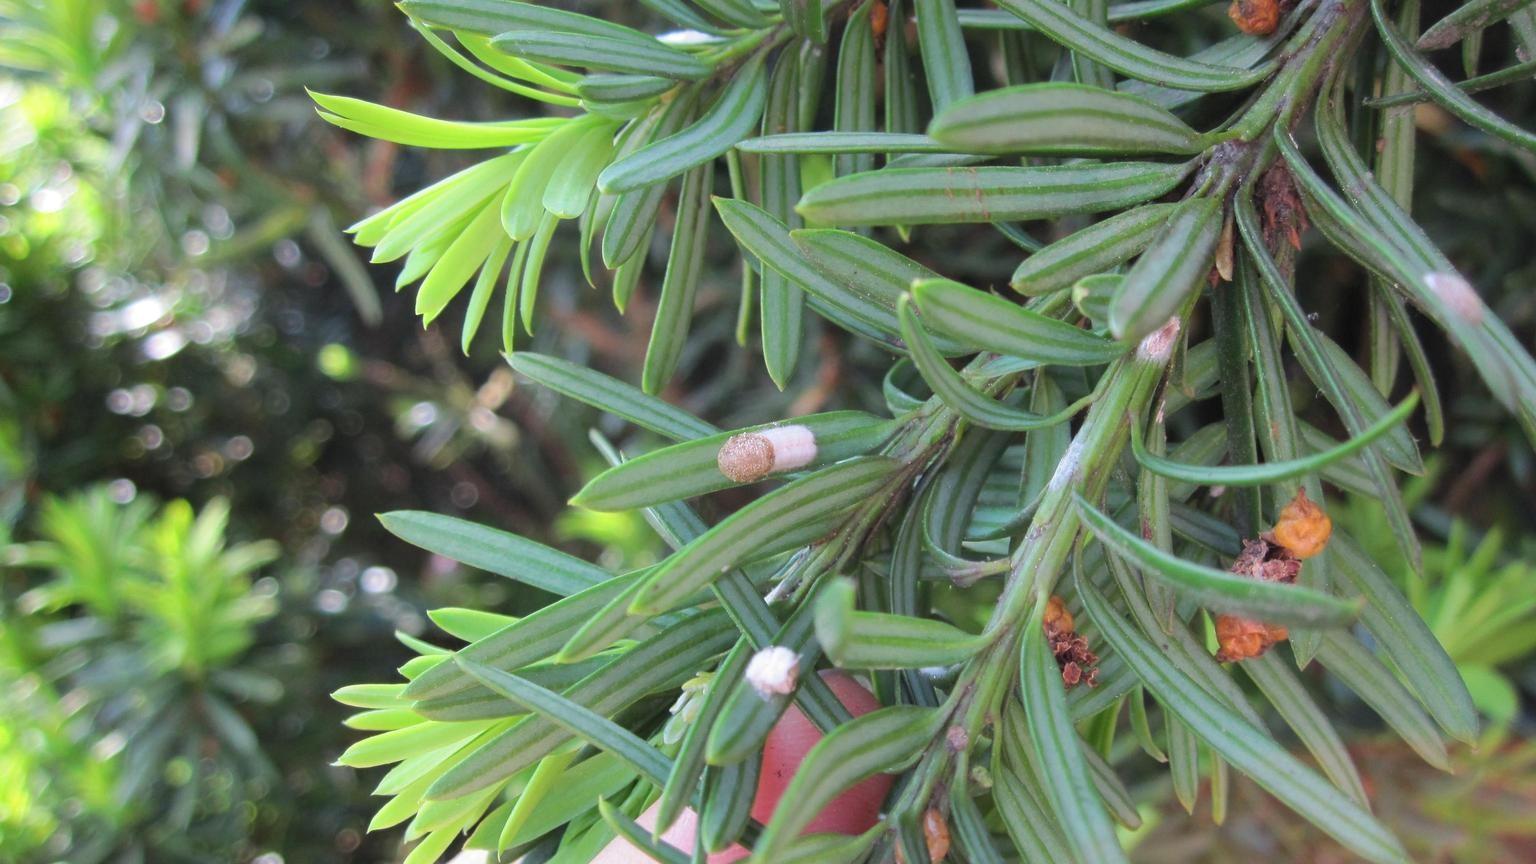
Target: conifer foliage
<point>1107,446</point>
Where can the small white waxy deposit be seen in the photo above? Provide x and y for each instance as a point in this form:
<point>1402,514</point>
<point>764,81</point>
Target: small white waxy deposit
<point>1158,346</point>
<point>773,671</point>
<point>1458,294</point>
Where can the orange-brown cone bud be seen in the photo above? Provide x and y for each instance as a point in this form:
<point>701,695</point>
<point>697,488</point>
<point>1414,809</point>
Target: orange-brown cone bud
<point>936,832</point>
<point>1057,619</point>
<point>1303,528</point>
<point>879,17</point>
<point>1255,17</point>
<point>1244,638</point>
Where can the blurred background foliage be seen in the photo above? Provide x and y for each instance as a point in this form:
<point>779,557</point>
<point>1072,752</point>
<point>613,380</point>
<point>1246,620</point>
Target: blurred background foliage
<point>182,320</point>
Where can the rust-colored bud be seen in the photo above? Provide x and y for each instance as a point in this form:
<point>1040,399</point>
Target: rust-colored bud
<point>1255,17</point>
<point>1303,528</point>
<point>935,837</point>
<point>879,16</point>
<point>1244,638</point>
<point>1057,619</point>
<point>936,832</point>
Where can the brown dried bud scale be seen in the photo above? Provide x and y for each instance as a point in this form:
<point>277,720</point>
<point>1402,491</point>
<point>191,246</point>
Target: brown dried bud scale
<point>1078,663</point>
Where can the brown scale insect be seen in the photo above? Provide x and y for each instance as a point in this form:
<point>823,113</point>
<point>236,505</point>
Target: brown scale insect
<point>751,456</point>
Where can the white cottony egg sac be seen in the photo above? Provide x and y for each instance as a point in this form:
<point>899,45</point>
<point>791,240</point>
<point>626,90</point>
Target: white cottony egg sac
<point>773,671</point>
<point>794,446</point>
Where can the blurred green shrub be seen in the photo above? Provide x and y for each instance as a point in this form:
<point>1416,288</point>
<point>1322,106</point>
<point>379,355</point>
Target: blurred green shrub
<point>1475,593</point>
<point>45,772</point>
<point>170,279</point>
<point>134,643</point>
